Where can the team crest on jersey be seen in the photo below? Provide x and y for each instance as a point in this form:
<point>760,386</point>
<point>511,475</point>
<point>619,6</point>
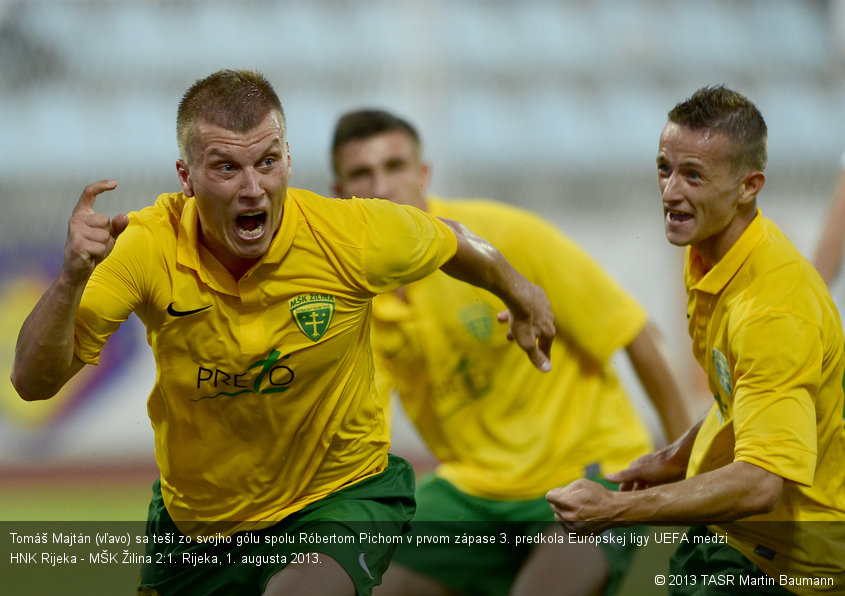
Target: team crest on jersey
<point>478,321</point>
<point>313,314</point>
<point>723,371</point>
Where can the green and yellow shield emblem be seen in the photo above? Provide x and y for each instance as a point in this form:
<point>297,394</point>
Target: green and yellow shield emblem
<point>313,314</point>
<point>478,320</point>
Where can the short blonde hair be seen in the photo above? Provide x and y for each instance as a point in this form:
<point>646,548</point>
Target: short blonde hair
<point>236,100</point>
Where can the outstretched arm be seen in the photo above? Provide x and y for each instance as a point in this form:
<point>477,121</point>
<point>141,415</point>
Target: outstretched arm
<point>651,363</point>
<point>653,491</point>
<point>732,492</point>
<point>44,358</point>
<point>531,320</point>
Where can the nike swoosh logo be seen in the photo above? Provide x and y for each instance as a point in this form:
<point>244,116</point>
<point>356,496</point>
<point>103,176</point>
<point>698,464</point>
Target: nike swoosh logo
<point>184,313</point>
<point>363,565</point>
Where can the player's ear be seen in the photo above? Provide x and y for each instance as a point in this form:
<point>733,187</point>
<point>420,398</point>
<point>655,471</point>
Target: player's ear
<point>752,184</point>
<point>184,174</point>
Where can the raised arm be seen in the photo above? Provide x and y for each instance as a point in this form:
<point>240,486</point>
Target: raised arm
<point>531,320</point>
<point>651,363</point>
<point>44,358</point>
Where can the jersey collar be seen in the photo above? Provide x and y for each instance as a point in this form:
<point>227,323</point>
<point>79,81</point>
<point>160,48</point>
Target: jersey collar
<point>210,271</point>
<point>286,232</point>
<point>714,281</point>
<point>187,246</point>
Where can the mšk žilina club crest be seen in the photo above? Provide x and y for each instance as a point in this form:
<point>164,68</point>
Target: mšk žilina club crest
<point>313,313</point>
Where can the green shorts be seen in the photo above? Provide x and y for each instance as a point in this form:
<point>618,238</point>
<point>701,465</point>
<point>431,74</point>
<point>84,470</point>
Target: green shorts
<point>709,567</point>
<point>357,526</point>
<point>477,546</point>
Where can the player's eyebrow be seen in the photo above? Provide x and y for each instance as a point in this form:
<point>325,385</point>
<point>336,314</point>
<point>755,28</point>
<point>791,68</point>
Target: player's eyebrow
<point>359,170</point>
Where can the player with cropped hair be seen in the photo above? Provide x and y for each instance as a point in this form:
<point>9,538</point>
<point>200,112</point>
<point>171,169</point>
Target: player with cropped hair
<point>256,298</point>
<point>761,478</point>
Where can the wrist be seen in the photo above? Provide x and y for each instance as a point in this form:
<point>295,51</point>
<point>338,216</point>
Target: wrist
<point>67,289</point>
<point>622,511</point>
<point>515,290</point>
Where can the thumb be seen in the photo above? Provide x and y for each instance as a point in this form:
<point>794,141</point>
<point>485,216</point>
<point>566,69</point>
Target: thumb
<point>118,224</point>
<point>620,476</point>
<point>554,493</point>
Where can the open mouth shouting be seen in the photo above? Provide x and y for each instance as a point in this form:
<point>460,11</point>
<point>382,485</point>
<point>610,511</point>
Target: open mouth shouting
<point>677,218</point>
<point>679,226</point>
<point>251,225</point>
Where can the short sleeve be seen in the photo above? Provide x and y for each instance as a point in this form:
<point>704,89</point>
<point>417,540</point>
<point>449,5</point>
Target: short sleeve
<point>778,373</point>
<point>403,244</point>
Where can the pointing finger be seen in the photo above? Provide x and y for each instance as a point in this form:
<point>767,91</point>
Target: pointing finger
<point>89,195</point>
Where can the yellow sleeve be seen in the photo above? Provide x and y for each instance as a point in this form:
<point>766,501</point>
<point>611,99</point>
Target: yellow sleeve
<point>403,244</point>
<point>778,374</point>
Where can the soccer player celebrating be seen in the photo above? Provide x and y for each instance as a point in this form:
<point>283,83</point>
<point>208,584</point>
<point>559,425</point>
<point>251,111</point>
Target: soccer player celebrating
<point>766,332</point>
<point>256,298</point>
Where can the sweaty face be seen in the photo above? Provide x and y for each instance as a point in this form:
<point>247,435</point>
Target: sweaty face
<point>239,181</point>
<point>703,200</point>
<point>385,166</point>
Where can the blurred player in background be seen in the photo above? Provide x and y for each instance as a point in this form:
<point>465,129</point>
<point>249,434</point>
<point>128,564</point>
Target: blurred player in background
<point>765,330</point>
<point>502,433</point>
<point>256,298</point>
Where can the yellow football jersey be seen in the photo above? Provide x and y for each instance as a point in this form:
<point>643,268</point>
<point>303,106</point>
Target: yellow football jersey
<point>500,428</point>
<point>765,330</point>
<point>264,399</point>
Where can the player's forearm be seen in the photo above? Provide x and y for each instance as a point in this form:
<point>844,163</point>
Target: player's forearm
<point>651,363</point>
<point>681,448</point>
<point>44,358</point>
<point>730,493</point>
<point>479,263</point>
